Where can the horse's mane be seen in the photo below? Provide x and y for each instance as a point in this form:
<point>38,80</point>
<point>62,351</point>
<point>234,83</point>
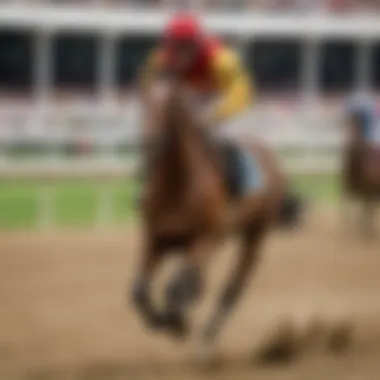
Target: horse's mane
<point>179,112</point>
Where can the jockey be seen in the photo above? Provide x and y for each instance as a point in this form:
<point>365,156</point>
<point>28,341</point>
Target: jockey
<point>209,68</point>
<point>214,72</point>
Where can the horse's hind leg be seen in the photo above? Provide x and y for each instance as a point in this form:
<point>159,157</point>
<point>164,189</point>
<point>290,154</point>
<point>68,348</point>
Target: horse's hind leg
<point>247,262</point>
<point>141,290</point>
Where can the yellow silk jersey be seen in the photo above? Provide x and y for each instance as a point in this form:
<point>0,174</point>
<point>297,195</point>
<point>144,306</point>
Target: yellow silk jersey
<point>219,73</point>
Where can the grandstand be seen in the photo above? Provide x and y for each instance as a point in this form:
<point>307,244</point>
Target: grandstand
<point>288,6</point>
<point>68,105</point>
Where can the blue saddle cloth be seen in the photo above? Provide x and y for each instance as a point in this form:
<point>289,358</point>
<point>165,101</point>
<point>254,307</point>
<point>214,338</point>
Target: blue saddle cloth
<point>245,174</point>
<point>252,178</point>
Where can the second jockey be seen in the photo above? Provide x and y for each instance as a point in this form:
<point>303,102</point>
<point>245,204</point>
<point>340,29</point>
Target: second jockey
<point>208,67</point>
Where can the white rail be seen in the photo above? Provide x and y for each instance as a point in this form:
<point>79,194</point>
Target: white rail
<point>104,171</point>
<point>112,20</point>
<point>113,168</point>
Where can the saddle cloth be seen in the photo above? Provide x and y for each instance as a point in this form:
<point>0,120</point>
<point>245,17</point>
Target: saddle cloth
<point>244,174</point>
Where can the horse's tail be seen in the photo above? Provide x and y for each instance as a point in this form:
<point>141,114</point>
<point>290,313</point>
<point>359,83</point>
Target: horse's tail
<point>291,210</point>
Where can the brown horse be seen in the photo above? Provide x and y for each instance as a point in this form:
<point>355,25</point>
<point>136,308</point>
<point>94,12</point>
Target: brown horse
<point>187,206</point>
<point>361,172</point>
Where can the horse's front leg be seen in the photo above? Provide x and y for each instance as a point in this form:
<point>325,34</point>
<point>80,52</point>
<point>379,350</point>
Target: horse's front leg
<point>187,285</point>
<point>141,290</point>
<point>368,219</point>
<point>247,261</point>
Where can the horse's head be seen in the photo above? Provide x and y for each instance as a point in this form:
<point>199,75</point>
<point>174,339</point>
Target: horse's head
<point>170,117</point>
<point>179,148</point>
<point>162,102</point>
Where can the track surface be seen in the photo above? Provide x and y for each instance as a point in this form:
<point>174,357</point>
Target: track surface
<point>64,312</point>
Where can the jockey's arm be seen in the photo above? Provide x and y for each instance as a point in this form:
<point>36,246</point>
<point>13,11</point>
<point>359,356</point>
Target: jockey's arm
<point>235,86</point>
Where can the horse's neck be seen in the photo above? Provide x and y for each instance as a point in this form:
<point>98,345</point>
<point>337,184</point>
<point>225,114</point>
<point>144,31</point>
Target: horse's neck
<point>183,154</point>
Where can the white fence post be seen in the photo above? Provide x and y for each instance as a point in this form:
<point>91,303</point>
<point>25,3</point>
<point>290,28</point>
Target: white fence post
<point>46,198</point>
<point>46,209</point>
<point>104,216</point>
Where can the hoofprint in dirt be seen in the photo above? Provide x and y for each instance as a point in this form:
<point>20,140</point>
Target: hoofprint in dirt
<point>65,312</point>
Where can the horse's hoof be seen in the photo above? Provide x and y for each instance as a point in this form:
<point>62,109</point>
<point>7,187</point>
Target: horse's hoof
<point>177,325</point>
<point>158,322</point>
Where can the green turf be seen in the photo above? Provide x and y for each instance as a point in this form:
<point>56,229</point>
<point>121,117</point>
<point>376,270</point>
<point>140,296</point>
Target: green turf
<point>317,187</point>
<point>18,206</point>
<point>77,202</point>
<point>74,202</point>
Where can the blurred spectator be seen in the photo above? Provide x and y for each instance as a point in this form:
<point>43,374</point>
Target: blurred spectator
<point>141,3</point>
<point>278,5</point>
<point>351,6</point>
<point>334,6</point>
<point>226,4</point>
<point>340,6</point>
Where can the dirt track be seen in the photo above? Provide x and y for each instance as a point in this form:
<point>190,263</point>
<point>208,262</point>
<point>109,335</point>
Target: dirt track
<point>64,312</point>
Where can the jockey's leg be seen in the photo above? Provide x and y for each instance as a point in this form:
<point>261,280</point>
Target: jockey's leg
<point>233,167</point>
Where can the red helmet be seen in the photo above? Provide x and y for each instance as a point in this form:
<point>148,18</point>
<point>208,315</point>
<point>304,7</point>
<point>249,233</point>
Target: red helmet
<point>184,27</point>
